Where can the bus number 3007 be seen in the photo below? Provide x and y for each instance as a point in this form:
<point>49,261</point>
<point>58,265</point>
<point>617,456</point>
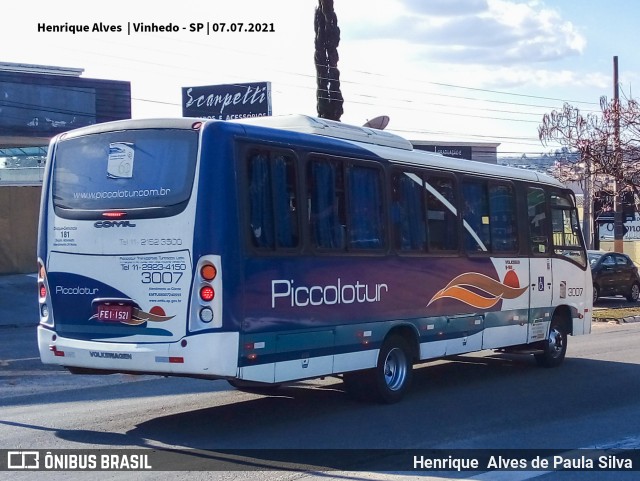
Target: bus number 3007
<point>156,277</point>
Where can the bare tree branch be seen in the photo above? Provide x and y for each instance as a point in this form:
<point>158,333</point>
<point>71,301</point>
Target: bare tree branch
<point>610,162</point>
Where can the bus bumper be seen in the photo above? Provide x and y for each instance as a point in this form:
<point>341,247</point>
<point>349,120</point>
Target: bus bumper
<point>203,355</point>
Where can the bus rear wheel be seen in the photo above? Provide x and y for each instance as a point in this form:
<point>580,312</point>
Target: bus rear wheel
<point>389,381</point>
<point>555,348</point>
<point>394,372</point>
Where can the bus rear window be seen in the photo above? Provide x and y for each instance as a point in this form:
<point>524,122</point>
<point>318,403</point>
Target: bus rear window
<point>146,172</point>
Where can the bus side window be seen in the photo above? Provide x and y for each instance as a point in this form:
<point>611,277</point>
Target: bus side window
<point>408,212</point>
<point>476,217</point>
<point>502,204</point>
<point>260,200</point>
<point>537,220</point>
<point>285,200</point>
<point>366,208</point>
<point>490,222</point>
<point>272,200</point>
<point>326,204</point>
<point>442,222</point>
<point>567,238</point>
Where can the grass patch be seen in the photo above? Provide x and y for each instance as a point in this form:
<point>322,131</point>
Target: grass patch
<point>616,313</point>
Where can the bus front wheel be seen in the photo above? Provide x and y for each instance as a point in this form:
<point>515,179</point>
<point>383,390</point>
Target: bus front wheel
<point>555,348</point>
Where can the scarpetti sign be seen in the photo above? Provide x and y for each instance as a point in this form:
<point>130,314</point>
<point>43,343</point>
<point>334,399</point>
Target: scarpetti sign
<point>225,102</point>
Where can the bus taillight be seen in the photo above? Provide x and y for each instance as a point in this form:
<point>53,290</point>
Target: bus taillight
<point>42,288</point>
<point>113,214</point>
<point>207,293</point>
<point>43,292</point>
<point>208,272</point>
<point>56,352</point>
<point>206,311</point>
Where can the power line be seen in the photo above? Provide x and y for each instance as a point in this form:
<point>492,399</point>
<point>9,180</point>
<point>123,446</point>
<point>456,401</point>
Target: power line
<point>347,81</point>
<point>422,81</point>
<point>410,104</point>
<point>515,94</point>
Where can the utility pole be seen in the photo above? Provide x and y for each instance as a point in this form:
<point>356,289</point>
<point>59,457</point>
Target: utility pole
<point>618,221</point>
<point>587,206</point>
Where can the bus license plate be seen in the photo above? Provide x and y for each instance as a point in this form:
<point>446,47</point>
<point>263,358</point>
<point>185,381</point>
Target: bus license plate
<point>114,313</point>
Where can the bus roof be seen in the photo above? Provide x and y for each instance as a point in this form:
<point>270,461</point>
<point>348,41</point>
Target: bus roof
<point>331,128</point>
<point>393,147</point>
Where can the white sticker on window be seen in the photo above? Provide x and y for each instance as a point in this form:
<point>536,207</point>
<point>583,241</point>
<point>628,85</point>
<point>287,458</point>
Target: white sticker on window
<point>120,165</point>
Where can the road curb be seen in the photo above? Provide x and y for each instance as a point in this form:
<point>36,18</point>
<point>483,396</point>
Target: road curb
<point>618,320</point>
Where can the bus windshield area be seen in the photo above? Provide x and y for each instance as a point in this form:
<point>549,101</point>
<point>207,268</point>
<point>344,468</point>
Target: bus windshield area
<point>134,169</point>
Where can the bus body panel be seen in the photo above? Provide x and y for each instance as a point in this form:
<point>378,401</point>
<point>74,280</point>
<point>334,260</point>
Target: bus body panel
<point>159,289</point>
<point>276,317</point>
<point>216,219</point>
<point>574,289</point>
<point>144,263</point>
<point>362,299</point>
<point>140,261</point>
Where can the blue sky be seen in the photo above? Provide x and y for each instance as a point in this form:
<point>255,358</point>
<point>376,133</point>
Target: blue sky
<point>448,70</point>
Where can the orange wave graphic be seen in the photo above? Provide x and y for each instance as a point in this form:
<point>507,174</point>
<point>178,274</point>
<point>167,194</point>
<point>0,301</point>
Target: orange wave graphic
<point>495,291</point>
<point>139,316</point>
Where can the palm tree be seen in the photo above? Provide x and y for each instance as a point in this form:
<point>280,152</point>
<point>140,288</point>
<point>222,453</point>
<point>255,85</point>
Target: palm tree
<point>326,58</point>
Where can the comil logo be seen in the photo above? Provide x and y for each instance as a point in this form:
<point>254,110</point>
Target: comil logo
<point>103,224</point>
<point>23,460</point>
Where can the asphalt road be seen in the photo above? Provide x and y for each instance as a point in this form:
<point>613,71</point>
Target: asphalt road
<point>482,401</point>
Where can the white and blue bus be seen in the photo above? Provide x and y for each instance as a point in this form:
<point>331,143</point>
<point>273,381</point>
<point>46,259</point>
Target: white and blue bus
<point>289,248</point>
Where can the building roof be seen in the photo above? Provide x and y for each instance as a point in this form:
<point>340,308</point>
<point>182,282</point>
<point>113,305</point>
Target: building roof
<point>40,69</point>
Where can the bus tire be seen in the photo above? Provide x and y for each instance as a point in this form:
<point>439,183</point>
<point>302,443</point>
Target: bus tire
<point>392,376</point>
<point>253,387</point>
<point>555,347</point>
